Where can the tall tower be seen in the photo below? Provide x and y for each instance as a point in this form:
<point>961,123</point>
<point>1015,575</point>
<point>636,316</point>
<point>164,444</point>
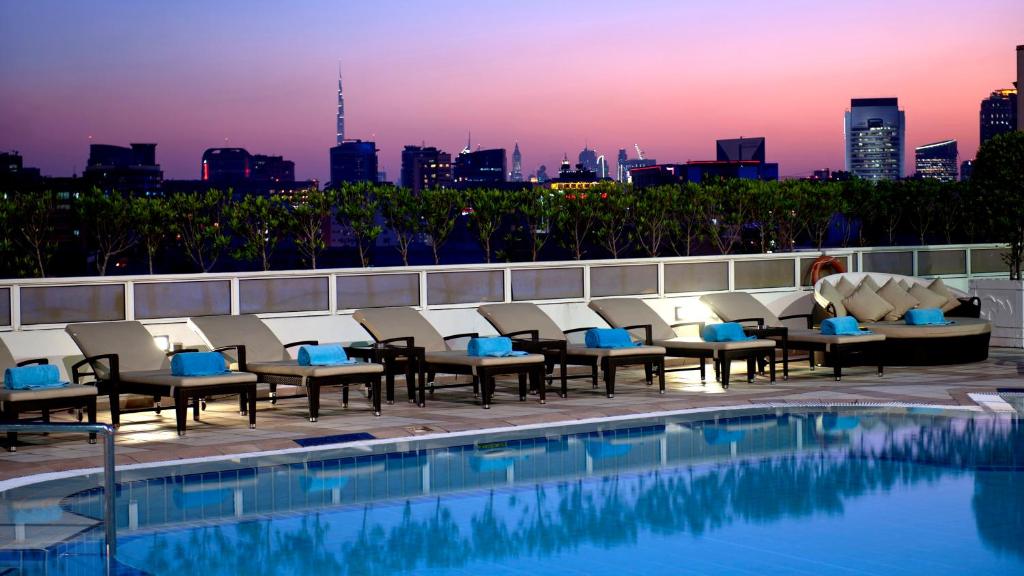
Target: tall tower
<point>341,110</point>
<point>517,165</point>
<point>1020,87</point>
<point>875,139</point>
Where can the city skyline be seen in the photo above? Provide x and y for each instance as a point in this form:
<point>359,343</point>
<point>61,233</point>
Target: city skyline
<point>189,78</point>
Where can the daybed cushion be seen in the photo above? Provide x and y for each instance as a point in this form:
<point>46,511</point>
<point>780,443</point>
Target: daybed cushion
<point>579,350</point>
<point>901,301</point>
<point>928,298</point>
<point>866,306</point>
<point>829,292</point>
<point>960,327</point>
<point>461,358</point>
<point>870,283</point>
<point>164,378</point>
<point>830,340</point>
<point>69,391</point>
<point>292,368</point>
<point>845,287</point>
<point>939,287</point>
<point>691,343</point>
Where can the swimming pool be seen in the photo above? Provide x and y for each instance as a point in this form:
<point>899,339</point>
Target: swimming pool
<point>843,491</point>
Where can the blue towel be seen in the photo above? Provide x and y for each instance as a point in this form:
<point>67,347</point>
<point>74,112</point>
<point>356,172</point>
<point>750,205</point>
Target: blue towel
<point>323,355</point>
<point>497,347</point>
<point>842,326</point>
<point>725,332</point>
<point>608,338</point>
<point>34,377</point>
<point>925,317</point>
<point>198,364</point>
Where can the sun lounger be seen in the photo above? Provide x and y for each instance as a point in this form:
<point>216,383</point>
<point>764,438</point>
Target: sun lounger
<point>535,331</point>
<point>124,359</point>
<point>268,358</point>
<point>635,315</point>
<point>407,328</point>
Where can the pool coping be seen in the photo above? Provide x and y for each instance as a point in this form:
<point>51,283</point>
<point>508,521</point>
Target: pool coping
<point>989,405</point>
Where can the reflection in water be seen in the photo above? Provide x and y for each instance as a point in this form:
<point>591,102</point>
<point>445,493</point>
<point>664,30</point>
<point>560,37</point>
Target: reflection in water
<point>625,511</point>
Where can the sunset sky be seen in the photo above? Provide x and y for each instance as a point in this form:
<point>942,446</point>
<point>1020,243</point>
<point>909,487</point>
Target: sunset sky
<point>671,76</point>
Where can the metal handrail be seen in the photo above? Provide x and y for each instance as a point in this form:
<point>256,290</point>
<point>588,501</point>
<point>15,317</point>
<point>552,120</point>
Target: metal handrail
<point>105,430</point>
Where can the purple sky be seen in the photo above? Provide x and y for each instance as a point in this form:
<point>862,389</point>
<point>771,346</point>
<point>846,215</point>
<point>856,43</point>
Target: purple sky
<point>671,76</point>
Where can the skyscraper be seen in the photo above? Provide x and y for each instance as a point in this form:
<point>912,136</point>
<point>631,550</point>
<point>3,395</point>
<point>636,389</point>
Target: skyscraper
<point>353,161</point>
<point>740,149</point>
<point>937,160</point>
<point>623,174</point>
<point>602,168</point>
<point>875,138</point>
<point>517,165</point>
<point>426,167</point>
<point>341,110</point>
<point>1020,84</point>
<point>480,168</point>
<point>998,113</point>
<point>131,170</point>
<point>588,158</point>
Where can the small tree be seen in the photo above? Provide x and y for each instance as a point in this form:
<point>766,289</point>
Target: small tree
<point>890,199</point>
<point>260,223</point>
<point>356,208</point>
<point>154,222</point>
<point>998,180</point>
<point>575,215</point>
<point>201,225</point>
<point>654,217</point>
<point>818,206</point>
<point>614,216</point>
<point>440,208</point>
<point>490,207</point>
<point>726,207</point>
<point>32,217</point>
<point>535,208</point>
<point>108,220</point>
<point>308,217</point>
<point>401,211</point>
<point>689,214</point>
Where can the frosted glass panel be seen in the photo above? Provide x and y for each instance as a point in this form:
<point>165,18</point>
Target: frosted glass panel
<point>63,304</point>
<point>465,287</point>
<point>889,262</point>
<point>751,274</point>
<point>989,261</point>
<point>942,262</point>
<point>378,291</point>
<point>547,283</point>
<point>696,277</point>
<point>623,280</point>
<point>5,306</point>
<point>182,299</point>
<point>259,296</point>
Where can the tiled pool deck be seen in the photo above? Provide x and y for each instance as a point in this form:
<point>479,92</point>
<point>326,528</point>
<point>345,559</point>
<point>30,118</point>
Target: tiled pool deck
<point>150,437</point>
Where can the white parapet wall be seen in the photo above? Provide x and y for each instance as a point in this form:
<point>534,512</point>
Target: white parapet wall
<point>1002,304</point>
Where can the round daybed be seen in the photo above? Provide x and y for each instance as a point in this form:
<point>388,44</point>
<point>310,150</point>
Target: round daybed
<point>964,341</point>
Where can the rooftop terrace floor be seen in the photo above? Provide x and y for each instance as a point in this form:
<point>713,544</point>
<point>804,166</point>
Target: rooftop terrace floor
<point>150,437</point>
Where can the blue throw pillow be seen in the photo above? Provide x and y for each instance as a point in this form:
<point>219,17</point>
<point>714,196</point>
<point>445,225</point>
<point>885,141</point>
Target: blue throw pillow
<point>842,326</point>
<point>925,317</point>
<point>198,364</point>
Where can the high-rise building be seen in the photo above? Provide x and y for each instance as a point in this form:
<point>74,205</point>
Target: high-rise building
<point>622,174</point>
<point>353,161</point>
<point>626,164</point>
<point>517,165</point>
<point>588,159</point>
<point>341,110</point>
<point>740,150</point>
<point>998,113</point>
<point>875,138</point>
<point>226,165</point>
<point>426,167</point>
<point>966,170</point>
<point>1020,85</point>
<point>272,169</point>
<point>602,168</point>
<point>131,170</point>
<point>480,168</point>
<point>542,174</point>
<point>937,160</point>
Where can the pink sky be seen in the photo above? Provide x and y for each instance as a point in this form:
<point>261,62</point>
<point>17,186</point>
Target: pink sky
<point>670,76</point>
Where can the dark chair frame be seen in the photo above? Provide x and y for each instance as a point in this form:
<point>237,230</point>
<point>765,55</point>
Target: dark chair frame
<point>12,409</point>
<point>113,387</point>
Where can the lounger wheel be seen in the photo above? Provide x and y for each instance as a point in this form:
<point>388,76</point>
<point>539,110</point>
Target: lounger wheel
<point>376,412</point>
<point>78,415</point>
<point>611,395</point>
<point>312,419</point>
<point>487,406</point>
<point>564,395</point>
<point>203,403</point>
<point>252,426</point>
<point>157,407</point>
<point>92,440</point>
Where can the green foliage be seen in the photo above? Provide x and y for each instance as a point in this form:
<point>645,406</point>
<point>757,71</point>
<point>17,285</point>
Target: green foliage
<point>107,220</point>
<point>401,211</point>
<point>154,222</point>
<point>490,207</point>
<point>618,207</point>
<point>655,218</point>
<point>688,213</point>
<point>356,208</point>
<point>308,216</point>
<point>817,205</point>
<point>260,223</point>
<point>998,184</point>
<point>440,208</point>
<point>726,207</point>
<point>201,221</point>
<point>535,208</point>
<point>27,237</point>
<point>575,214</point>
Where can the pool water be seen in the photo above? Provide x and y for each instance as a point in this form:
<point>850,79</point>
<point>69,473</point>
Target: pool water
<point>809,492</point>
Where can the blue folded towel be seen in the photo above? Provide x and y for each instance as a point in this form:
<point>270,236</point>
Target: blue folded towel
<point>34,377</point>
<point>198,364</point>
<point>842,326</point>
<point>497,347</point>
<point>926,317</point>
<point>725,332</point>
<point>324,355</point>
<point>608,338</point>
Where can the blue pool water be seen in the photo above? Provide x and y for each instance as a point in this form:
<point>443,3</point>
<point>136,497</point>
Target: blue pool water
<point>812,492</point>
